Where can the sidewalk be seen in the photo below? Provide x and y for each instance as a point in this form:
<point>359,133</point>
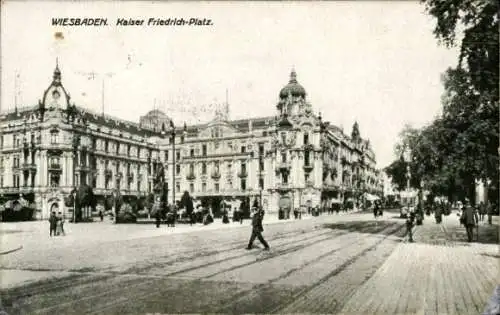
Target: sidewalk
<point>438,274</point>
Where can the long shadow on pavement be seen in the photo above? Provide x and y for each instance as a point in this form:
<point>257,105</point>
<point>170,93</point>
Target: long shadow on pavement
<point>371,227</point>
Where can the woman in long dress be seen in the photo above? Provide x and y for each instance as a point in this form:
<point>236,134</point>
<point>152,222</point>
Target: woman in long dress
<point>60,225</point>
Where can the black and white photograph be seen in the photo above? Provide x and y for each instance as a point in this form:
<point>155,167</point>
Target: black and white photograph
<point>249,157</point>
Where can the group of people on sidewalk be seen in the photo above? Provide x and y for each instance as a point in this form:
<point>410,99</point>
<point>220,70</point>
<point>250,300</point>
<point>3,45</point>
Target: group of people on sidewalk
<point>56,223</point>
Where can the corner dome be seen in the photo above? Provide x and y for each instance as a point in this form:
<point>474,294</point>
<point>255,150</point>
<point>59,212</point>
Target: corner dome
<point>155,113</point>
<point>155,120</point>
<point>293,87</point>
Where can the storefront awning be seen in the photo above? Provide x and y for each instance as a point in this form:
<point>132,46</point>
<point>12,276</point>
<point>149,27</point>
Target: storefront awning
<point>371,197</point>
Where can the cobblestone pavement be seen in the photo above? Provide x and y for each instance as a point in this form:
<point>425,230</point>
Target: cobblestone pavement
<point>440,273</point>
<point>349,264</point>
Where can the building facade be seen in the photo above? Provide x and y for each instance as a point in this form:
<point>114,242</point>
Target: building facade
<point>292,159</point>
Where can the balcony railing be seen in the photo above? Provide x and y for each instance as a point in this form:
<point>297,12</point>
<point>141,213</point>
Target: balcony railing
<point>130,176</point>
<point>82,168</point>
<point>215,175</point>
<point>55,167</point>
<point>29,166</point>
<point>190,176</point>
<point>308,167</point>
<point>242,174</point>
<point>308,147</point>
<point>284,166</point>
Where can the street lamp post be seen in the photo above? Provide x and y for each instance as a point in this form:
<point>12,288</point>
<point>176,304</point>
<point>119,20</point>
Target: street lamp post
<point>74,206</point>
<point>173,163</point>
<point>409,221</point>
<point>260,180</point>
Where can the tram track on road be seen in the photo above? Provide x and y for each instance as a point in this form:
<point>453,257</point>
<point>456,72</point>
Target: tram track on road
<point>235,300</point>
<point>86,278</point>
<point>156,278</point>
<point>82,278</point>
<point>241,295</point>
<point>105,300</point>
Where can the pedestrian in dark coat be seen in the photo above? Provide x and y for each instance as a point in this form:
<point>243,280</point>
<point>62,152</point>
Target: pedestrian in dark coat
<point>489,210</point>
<point>53,223</point>
<point>469,218</point>
<point>375,210</point>
<point>257,229</point>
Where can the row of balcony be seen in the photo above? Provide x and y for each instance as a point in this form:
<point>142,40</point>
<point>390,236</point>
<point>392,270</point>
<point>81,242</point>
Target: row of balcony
<point>215,175</point>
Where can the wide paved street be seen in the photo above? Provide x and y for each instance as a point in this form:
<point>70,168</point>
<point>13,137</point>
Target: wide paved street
<point>347,264</point>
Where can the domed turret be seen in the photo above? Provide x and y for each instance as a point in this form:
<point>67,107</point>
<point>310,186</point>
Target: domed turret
<point>154,120</point>
<point>293,87</point>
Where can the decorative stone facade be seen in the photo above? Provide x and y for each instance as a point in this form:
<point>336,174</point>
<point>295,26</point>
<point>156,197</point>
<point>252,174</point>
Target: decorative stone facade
<point>291,159</point>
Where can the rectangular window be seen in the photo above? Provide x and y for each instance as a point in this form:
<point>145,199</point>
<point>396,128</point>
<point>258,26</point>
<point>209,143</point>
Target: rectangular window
<point>191,188</point>
<point>106,146</point>
<point>1,142</point>
<point>204,187</point>
<point>178,155</point>
<point>166,155</point>
<point>138,152</point>
<point>261,165</point>
<point>243,184</point>
<point>177,169</point>
<point>204,150</point>
<point>216,187</point>
<point>128,149</point>
<point>53,138</point>
<point>243,149</point>
<point>307,160</point>
<point>118,148</point>
<point>177,187</point>
<point>261,149</point>
<point>283,157</point>
<point>243,167</point>
<point>204,168</point>
<point>191,152</point>
<point>261,183</point>
<point>191,169</point>
<point>306,138</point>
<point>14,141</point>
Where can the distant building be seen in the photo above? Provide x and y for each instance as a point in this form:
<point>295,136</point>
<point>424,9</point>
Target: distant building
<point>288,160</point>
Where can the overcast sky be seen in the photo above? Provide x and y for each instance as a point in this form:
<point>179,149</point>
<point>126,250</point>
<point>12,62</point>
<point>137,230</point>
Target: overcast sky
<point>374,62</point>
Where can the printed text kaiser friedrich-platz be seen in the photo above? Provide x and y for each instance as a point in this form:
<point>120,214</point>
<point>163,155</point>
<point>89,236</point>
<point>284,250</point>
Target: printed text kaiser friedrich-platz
<point>177,21</point>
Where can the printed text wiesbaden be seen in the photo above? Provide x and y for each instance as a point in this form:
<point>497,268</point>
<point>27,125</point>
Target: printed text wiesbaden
<point>131,22</point>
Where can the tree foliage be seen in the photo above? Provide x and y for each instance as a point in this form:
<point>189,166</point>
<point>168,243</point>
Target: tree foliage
<point>461,146</point>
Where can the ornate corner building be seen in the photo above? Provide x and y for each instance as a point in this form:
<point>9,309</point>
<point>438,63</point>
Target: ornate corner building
<point>289,160</point>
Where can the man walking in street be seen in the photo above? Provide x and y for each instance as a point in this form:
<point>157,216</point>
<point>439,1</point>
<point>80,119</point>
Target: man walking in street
<point>53,223</point>
<point>469,218</point>
<point>257,229</point>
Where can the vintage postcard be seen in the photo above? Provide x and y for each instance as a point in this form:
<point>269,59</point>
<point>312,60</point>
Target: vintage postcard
<point>241,157</point>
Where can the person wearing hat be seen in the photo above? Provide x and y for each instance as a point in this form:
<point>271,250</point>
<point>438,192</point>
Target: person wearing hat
<point>469,218</point>
<point>257,229</point>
